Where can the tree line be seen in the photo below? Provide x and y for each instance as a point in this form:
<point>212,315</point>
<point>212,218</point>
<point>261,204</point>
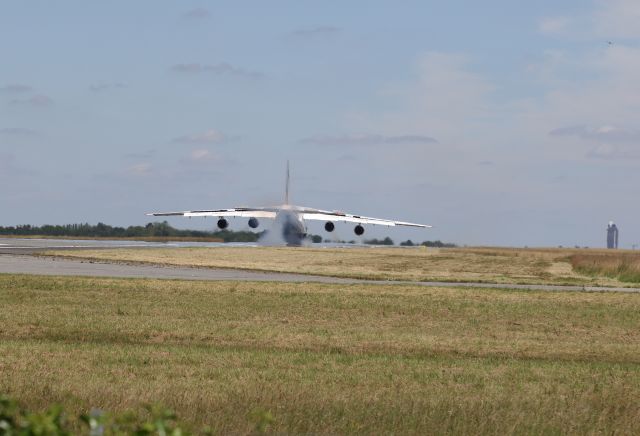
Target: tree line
<point>164,229</point>
<point>101,230</point>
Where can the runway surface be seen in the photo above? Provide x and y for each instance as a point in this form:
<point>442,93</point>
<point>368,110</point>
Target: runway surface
<point>16,257</point>
<point>24,246</point>
<point>68,267</point>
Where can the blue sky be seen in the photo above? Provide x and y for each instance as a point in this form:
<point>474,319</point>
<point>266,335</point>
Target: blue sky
<point>500,122</point>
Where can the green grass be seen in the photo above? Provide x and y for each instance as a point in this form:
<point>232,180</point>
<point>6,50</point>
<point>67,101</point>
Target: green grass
<point>326,358</point>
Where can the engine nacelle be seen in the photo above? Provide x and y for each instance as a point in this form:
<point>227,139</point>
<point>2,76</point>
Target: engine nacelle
<point>358,230</point>
<point>223,223</point>
<point>253,223</point>
<point>329,226</point>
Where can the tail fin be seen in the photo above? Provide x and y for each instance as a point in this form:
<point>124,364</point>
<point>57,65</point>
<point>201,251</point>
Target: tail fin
<point>286,192</point>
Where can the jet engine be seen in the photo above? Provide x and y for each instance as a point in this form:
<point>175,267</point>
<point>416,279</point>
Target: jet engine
<point>223,223</point>
<point>253,223</point>
<point>358,230</point>
<point>329,226</point>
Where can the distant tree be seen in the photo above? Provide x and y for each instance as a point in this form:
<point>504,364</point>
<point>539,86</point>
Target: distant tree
<point>407,243</point>
<point>385,241</point>
<point>102,230</point>
<point>438,244</point>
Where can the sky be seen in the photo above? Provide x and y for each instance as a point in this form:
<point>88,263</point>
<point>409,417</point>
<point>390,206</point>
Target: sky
<point>498,122</point>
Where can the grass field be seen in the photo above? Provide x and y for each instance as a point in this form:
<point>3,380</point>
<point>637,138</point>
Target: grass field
<point>326,358</point>
<point>494,265</point>
<point>622,266</point>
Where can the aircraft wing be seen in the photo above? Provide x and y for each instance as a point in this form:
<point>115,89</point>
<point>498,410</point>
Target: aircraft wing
<point>323,215</point>
<point>240,212</point>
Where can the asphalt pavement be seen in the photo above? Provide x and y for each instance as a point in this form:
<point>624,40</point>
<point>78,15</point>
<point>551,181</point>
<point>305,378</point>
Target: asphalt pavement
<point>20,256</point>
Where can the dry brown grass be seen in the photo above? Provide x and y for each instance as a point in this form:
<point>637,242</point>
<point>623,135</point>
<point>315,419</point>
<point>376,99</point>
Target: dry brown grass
<point>494,265</point>
<point>622,266</point>
<point>326,358</point>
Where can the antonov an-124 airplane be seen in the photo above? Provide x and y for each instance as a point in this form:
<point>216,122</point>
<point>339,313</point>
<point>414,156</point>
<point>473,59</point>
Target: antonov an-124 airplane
<point>289,218</point>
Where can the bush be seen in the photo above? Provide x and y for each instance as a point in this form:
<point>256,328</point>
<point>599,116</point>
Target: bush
<point>385,241</point>
<point>53,422</point>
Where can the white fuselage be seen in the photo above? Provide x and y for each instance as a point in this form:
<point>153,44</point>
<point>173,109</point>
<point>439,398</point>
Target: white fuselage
<point>291,225</point>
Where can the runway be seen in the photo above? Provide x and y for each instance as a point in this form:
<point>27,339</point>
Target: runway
<point>19,256</point>
<point>29,264</point>
<point>28,246</point>
<point>67,267</point>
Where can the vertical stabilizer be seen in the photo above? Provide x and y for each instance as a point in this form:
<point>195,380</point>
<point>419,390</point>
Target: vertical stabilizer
<point>286,191</point>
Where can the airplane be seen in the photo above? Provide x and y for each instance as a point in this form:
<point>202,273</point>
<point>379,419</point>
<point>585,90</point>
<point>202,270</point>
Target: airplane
<point>290,218</point>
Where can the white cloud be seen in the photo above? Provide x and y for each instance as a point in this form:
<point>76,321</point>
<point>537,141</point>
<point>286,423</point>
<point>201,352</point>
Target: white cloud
<point>612,142</point>
<point>617,19</point>
<point>211,136</point>
<point>202,155</point>
<point>597,88</point>
<point>141,169</point>
<point>607,133</point>
<point>553,25</point>
<point>443,95</point>
<point>609,20</point>
<point>612,152</point>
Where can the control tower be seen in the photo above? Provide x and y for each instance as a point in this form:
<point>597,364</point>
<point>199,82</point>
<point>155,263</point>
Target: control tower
<point>612,235</point>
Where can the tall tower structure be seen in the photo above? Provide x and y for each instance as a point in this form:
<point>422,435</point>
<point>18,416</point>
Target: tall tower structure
<point>612,235</point>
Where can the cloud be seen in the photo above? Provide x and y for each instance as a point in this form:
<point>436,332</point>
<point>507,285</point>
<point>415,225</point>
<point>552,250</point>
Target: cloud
<point>211,136</point>
<point>612,142</point>
<point>553,25</point>
<point>107,86</point>
<point>617,19</point>
<point>39,100</point>
<point>368,139</point>
<point>315,32</point>
<point>18,131</point>
<point>15,89</point>
<point>219,69</point>
<point>202,155</point>
<point>609,20</point>
<point>198,162</point>
<point>140,169</point>
<point>198,14</point>
<point>605,133</point>
<point>612,152</point>
<point>443,94</point>
<point>569,131</point>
